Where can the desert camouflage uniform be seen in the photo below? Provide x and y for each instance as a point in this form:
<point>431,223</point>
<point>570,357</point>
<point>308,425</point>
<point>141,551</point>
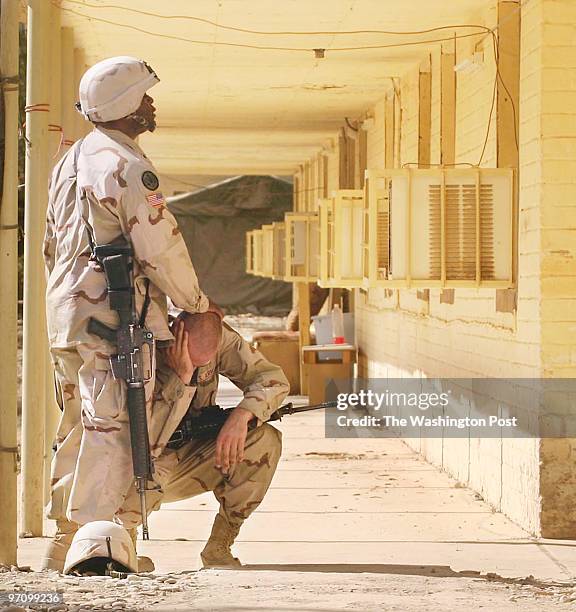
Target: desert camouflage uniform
<point>118,196</point>
<point>190,470</point>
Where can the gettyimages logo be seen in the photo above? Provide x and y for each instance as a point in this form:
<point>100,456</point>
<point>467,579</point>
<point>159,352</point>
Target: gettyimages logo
<point>452,408</point>
<point>377,401</point>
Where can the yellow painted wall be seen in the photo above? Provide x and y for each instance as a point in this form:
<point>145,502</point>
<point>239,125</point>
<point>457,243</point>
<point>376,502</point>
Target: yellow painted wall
<point>401,335</point>
<point>548,156</point>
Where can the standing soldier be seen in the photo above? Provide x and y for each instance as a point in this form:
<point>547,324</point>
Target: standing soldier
<point>103,191</point>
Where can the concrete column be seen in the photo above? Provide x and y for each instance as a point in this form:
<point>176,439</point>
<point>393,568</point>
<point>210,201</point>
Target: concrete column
<point>58,148</point>
<point>9,285</point>
<point>36,194</point>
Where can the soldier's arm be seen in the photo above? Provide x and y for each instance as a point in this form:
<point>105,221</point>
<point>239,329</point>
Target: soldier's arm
<point>264,384</point>
<point>170,402</point>
<point>158,244</point>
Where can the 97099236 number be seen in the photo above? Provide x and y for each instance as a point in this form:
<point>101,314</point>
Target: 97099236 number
<point>31,597</point>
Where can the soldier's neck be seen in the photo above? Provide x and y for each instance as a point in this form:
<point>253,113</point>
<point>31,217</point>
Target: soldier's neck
<point>126,127</point>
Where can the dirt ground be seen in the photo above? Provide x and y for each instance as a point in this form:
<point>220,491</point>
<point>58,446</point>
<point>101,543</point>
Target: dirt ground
<point>398,588</point>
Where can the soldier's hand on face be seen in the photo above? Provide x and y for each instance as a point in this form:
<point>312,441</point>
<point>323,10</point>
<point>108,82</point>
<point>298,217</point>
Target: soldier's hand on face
<point>177,355</point>
<point>232,439</point>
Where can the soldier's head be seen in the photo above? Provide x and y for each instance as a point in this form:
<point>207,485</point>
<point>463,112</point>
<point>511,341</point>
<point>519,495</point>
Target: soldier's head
<point>204,335</point>
<point>113,94</point>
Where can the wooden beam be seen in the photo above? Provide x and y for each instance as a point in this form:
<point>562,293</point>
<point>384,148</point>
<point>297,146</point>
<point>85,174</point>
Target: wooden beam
<point>361,164</point>
<point>342,160</point>
<point>81,125</point>
<point>304,329</point>
<point>68,91</point>
<point>9,287</point>
<point>389,130</point>
<point>508,100</point>
<point>424,116</point>
<point>447,296</point>
<point>447,109</point>
<point>507,121</point>
<point>295,191</point>
<point>506,300</point>
<point>324,175</point>
<point>313,183</point>
<point>351,162</point>
<point>317,179</point>
<point>307,186</point>
<point>34,332</point>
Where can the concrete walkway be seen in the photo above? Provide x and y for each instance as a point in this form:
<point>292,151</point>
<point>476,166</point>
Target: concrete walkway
<point>337,509</point>
<point>353,505</point>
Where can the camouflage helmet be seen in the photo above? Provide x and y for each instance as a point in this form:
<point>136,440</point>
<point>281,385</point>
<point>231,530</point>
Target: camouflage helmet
<point>100,546</point>
<point>114,88</point>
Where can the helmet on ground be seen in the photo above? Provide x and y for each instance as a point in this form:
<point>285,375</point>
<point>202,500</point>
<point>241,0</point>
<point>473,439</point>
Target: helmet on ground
<point>100,547</point>
<point>114,88</point>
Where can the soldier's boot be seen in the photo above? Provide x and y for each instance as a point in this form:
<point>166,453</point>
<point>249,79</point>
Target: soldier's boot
<point>217,553</point>
<point>55,553</point>
<point>145,564</point>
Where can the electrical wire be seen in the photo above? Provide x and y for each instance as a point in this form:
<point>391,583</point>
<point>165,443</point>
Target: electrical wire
<point>354,129</point>
<point>484,30</point>
<point>417,164</point>
<point>492,105</point>
<point>262,32</point>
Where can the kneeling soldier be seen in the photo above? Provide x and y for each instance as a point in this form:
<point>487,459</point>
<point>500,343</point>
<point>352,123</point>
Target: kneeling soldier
<point>239,465</point>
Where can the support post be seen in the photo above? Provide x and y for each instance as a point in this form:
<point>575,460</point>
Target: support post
<point>362,155</point>
<point>389,130</point>
<point>447,128</point>
<point>56,145</point>
<point>343,150</point>
<point>507,121</point>
<point>82,126</point>
<point>424,115</point>
<point>56,150</point>
<point>447,109</point>
<point>304,329</point>
<point>9,50</point>
<point>34,347</point>
<point>68,93</point>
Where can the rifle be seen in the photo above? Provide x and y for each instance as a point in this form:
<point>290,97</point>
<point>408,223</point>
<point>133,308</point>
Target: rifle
<point>209,422</point>
<point>133,343</point>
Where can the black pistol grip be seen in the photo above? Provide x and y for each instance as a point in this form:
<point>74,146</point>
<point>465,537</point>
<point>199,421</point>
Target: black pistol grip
<point>101,330</point>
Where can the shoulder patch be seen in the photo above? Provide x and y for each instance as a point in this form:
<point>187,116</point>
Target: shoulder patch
<point>150,180</point>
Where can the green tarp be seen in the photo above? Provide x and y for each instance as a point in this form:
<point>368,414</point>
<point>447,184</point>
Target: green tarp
<point>214,221</point>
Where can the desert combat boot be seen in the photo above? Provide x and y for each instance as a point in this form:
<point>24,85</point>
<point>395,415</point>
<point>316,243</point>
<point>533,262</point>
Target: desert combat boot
<point>217,553</point>
<point>145,564</point>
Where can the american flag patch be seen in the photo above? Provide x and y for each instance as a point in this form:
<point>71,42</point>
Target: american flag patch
<point>156,200</point>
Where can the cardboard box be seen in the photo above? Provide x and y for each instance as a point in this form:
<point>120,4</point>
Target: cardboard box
<point>318,373</point>
<point>285,353</point>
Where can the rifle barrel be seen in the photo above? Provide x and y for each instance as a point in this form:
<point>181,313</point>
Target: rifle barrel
<point>290,409</point>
